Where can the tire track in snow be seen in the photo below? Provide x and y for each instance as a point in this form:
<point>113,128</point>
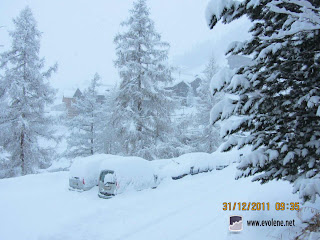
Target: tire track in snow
<point>197,229</point>
<point>195,205</point>
<point>156,221</point>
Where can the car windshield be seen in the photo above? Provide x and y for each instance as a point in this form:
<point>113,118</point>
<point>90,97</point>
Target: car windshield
<point>104,173</point>
<point>109,178</point>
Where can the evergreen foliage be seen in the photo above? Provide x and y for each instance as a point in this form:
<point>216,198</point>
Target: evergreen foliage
<point>209,138</point>
<point>24,94</point>
<point>277,99</point>
<point>106,137</point>
<point>86,127</point>
<point>143,107</point>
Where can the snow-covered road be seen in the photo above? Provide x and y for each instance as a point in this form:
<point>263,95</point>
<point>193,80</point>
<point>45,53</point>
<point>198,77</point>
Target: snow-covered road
<point>41,207</point>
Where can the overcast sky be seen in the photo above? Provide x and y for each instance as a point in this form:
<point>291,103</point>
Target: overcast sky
<point>78,34</point>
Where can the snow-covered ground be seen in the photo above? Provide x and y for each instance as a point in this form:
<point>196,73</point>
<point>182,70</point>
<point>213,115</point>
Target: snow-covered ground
<point>41,207</point>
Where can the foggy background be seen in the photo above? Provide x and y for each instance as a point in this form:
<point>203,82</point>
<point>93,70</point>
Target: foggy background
<point>78,34</point>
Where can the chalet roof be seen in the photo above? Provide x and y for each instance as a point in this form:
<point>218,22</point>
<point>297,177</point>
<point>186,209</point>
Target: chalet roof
<point>77,94</point>
<point>182,88</point>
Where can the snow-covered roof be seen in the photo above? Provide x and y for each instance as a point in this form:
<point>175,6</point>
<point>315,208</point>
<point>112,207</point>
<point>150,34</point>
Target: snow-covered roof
<point>182,88</point>
<point>71,93</point>
<point>77,94</point>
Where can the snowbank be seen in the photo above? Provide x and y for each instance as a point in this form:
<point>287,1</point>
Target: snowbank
<point>189,164</point>
<point>63,164</point>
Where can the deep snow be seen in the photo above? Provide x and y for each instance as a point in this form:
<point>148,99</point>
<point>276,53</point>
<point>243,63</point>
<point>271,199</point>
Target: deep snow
<point>41,207</point>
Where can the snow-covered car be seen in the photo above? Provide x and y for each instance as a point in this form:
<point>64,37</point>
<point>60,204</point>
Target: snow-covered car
<point>126,173</point>
<point>107,184</point>
<point>130,172</point>
<point>84,172</point>
<point>116,174</point>
<point>189,164</point>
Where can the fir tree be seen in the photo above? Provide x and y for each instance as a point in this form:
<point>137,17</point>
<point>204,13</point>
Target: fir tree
<point>106,137</point>
<point>209,138</point>
<point>279,95</point>
<point>85,127</point>
<point>142,116</point>
<point>24,94</point>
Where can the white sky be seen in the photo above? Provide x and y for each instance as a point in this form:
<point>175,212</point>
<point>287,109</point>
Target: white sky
<point>78,34</point>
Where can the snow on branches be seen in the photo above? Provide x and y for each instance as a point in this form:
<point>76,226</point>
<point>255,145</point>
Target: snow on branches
<point>276,100</point>
<point>24,93</point>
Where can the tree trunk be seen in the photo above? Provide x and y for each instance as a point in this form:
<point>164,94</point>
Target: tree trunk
<point>23,171</point>
<point>139,128</point>
<point>91,139</point>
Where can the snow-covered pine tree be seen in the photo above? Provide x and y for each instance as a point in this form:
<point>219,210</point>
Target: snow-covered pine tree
<point>85,127</point>
<point>24,94</point>
<point>278,103</point>
<point>209,71</point>
<point>209,138</point>
<point>107,138</point>
<point>142,116</point>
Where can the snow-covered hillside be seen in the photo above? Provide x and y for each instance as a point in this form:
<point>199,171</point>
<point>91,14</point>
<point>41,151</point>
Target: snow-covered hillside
<point>41,207</point>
